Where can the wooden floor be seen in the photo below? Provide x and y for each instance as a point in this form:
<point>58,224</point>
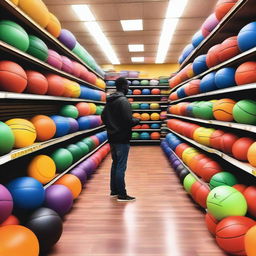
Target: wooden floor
<point>162,222</point>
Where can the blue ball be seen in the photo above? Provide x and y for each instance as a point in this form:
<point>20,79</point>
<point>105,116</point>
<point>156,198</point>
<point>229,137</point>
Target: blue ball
<point>27,193</point>
<point>247,37</point>
<point>197,38</point>
<point>155,126</point>
<point>187,50</point>
<point>144,106</point>
<point>189,110</point>
<point>84,123</point>
<point>111,83</point>
<point>225,77</point>
<point>208,84</point>
<point>135,82</point>
<point>199,64</point>
<point>129,92</point>
<point>181,92</point>
<point>174,143</point>
<point>146,92</point>
<point>144,136</point>
<point>181,59</point>
<point>62,125</point>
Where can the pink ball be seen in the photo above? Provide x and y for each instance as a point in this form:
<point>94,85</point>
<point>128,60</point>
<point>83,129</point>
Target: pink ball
<point>77,69</point>
<point>54,59</point>
<point>84,73</point>
<point>6,203</point>
<point>67,65</point>
<point>210,23</point>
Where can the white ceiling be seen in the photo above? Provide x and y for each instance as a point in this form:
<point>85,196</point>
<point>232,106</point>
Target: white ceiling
<point>108,13</point>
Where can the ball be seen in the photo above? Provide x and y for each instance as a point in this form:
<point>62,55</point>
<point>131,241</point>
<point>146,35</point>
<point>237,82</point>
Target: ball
<point>24,132</point>
<point>145,116</point>
<point>245,112</point>
<point>227,141</point>
<point>17,240</point>
<point>246,37</point>
<point>181,148</point>
<point>54,26</point>
<point>13,77</point>
<point>188,182</point>
<point>240,148</point>
<point>215,139</point>
<point>155,91</point>
<point>212,57</point>
<point>72,183</point>
<point>202,135</point>
<point>145,92</point>
<point>68,39</point>
<point>211,223</point>
<point>42,168</point>
<point>6,203</point>
<point>187,51</point>
<point>144,136</point>
<point>225,78</point>
<point>241,188</point>
<point>56,85</point>
<point>223,110</point>
<point>251,154</point>
<point>199,64</point>
<point>135,135</point>
<point>80,174</point>
<point>223,7</point>
<point>188,154</point>
<point>201,195</point>
<point>229,48</point>
<point>206,110</point>
<point>11,220</point>
<point>83,108</point>
<point>223,179</point>
<point>69,111</point>
<point>245,73</point>
<point>144,106</point>
<point>209,169</point>
<point>74,126</point>
<point>37,48</point>
<point>250,241</point>
<point>225,201</point>
<point>250,196</point>
<point>208,84</point>
<point>45,127</point>
<point>54,59</point>
<point>197,38</point>
<point>36,83</point>
<point>210,23</point>
<point>62,158</point>
<point>136,92</point>
<point>154,116</point>
<point>76,152</point>
<point>67,65</point>
<point>7,139</point>
<point>62,125</point>
<point>27,193</point>
<point>58,198</point>
<point>155,136</point>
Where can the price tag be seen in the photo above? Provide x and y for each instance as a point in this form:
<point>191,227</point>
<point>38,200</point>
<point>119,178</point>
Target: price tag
<point>25,151</point>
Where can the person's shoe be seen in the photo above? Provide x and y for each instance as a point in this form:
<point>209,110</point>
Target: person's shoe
<point>125,198</point>
<point>113,195</point>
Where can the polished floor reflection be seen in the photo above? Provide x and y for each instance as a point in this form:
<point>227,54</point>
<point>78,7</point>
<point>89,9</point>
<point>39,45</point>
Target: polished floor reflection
<point>162,222</point>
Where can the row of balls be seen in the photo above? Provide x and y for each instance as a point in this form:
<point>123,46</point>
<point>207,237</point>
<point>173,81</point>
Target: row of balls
<point>146,136</point>
<point>146,126</point>
<point>221,9</point>
<point>152,82</point>
<point>241,148</point>
<point>146,116</point>
<point>227,110</point>
<point>234,233</point>
<point>153,106</point>
<point>154,91</point>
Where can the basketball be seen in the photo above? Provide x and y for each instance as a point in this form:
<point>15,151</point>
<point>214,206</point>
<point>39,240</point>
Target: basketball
<point>209,169</point>
<point>227,141</point>
<point>136,115</point>
<point>240,187</point>
<point>201,195</point>
<point>199,64</point>
<point>246,37</point>
<point>56,85</point>
<point>13,77</point>
<point>188,182</point>
<point>223,179</point>
<point>251,154</point>
<point>225,78</point>
<point>223,7</point>
<point>229,48</point>
<point>83,108</point>
<point>211,223</point>
<point>212,57</point>
<point>136,92</point>
<point>7,139</point>
<point>240,148</point>
<point>223,110</point>
<point>202,135</point>
<point>246,73</point>
<point>215,140</point>
<point>197,38</point>
<point>245,112</point>
<point>250,240</point>
<point>193,87</point>
<point>37,83</point>
<point>250,196</point>
<point>209,24</point>
<point>181,148</point>
<point>155,136</point>
<point>208,84</point>
<point>54,26</point>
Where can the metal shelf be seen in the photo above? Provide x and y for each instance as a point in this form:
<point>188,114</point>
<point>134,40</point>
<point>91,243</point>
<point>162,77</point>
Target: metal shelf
<point>150,102</point>
<point>24,96</point>
<point>146,130</point>
<point>134,79</point>
<point>145,141</point>
<point>45,35</point>
<point>74,165</point>
<point>150,122</point>
<point>243,127</point>
<point>146,110</point>
<point>241,165</point>
<point>24,56</point>
<point>143,87</point>
<point>147,96</point>
<point>41,145</point>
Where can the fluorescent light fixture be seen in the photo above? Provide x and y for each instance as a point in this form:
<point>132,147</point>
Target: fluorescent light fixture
<point>131,25</point>
<point>137,59</point>
<point>174,12</point>
<point>102,41</point>
<point>136,47</point>
<point>83,12</point>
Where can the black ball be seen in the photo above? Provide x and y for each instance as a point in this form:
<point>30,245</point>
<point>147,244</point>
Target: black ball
<point>179,169</point>
<point>47,226</point>
<point>183,175</point>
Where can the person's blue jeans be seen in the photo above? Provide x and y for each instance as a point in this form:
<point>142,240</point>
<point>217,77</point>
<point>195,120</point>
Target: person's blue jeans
<point>119,153</point>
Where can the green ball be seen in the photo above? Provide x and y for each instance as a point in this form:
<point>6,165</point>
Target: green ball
<point>244,112</point>
<point>206,110</point>
<point>135,135</point>
<point>78,50</point>
<point>69,111</point>
<point>188,182</point>
<point>223,179</point>
<point>135,105</point>
<point>83,147</point>
<point>196,109</point>
<point>13,34</point>
<point>144,82</point>
<point>6,139</point>
<point>37,48</point>
<point>89,142</point>
<point>76,152</point>
<point>225,201</point>
<point>62,158</point>
<point>98,110</point>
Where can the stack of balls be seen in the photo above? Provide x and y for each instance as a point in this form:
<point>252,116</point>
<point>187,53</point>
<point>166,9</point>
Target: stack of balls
<point>145,135</point>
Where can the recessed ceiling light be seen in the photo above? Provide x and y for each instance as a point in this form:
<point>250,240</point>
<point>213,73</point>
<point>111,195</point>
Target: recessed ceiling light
<point>136,47</point>
<point>83,12</point>
<point>131,25</point>
<point>175,8</point>
<point>137,59</point>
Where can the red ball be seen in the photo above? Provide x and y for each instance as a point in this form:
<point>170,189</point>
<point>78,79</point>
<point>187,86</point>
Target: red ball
<point>230,234</point>
<point>194,189</point>
<point>212,57</point>
<point>241,147</point>
<point>91,78</point>
<point>201,195</point>
<point>155,136</point>
<point>83,108</point>
<point>145,126</point>
<point>136,92</point>
<point>183,108</point>
<point>193,163</point>
<point>223,7</point>
<point>155,91</point>
<point>227,141</point>
<point>209,169</point>
<point>211,223</point>
<point>11,220</point>
<point>180,148</point>
<point>13,77</point>
<point>229,48</point>
<point>77,69</point>
<point>246,73</point>
<point>174,81</point>
<point>193,87</point>
<point>240,187</point>
<point>173,96</point>
<point>136,127</point>
<point>37,83</point>
<point>216,138</point>
<point>250,196</point>
<point>56,85</point>
<point>84,73</point>
<point>200,164</point>
<point>189,130</point>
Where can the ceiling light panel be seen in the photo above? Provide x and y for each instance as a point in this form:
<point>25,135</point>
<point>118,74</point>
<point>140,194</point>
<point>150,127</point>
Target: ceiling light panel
<point>132,25</point>
<point>83,12</point>
<point>137,59</point>
<point>136,47</point>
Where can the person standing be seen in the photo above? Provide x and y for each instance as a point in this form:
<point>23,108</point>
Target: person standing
<point>117,116</point>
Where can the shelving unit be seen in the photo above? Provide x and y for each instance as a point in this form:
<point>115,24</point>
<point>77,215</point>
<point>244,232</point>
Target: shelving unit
<point>145,141</point>
<point>146,110</point>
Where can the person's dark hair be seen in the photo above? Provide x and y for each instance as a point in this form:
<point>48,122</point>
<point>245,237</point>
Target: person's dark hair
<point>121,84</point>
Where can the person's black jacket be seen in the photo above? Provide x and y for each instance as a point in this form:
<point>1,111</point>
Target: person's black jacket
<point>117,116</point>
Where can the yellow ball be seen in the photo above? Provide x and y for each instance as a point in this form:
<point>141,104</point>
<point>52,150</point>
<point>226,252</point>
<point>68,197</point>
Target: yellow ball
<point>155,116</point>
<point>93,108</point>
<point>24,132</point>
<point>188,154</point>
<point>42,168</point>
<point>75,89</point>
<point>54,26</point>
<point>145,117</point>
<point>154,106</point>
<point>100,83</point>
<point>202,135</point>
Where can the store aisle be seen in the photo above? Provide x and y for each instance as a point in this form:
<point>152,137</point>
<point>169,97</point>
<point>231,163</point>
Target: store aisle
<point>161,222</point>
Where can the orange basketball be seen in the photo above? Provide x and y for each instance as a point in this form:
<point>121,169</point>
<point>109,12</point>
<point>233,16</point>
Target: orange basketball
<point>144,116</point>
<point>215,139</point>
<point>56,85</point>
<point>223,110</point>
<point>229,48</point>
<point>227,141</point>
<point>211,223</point>
<point>223,7</point>
<point>45,127</point>
<point>67,88</point>
<point>71,182</point>
<point>240,148</point>
<point>173,96</point>
<point>193,163</point>
<point>155,136</point>
<point>201,195</point>
<point>136,115</point>
<point>193,87</point>
<point>240,187</point>
<point>212,57</point>
<point>250,241</point>
<point>83,108</point>
<point>37,83</point>
<point>246,73</point>
<point>136,92</point>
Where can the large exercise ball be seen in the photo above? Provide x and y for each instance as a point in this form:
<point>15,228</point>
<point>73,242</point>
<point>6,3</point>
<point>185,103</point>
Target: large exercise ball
<point>244,112</point>
<point>13,77</point>
<point>27,193</point>
<point>67,38</point>
<point>246,37</point>
<point>56,85</point>
<point>62,158</point>
<point>245,73</point>
<point>47,226</point>
<point>62,125</point>
<point>225,201</point>
<point>37,83</point>
<point>6,203</point>
<point>58,198</point>
<point>6,139</point>
<point>250,240</point>
<point>14,34</point>
<point>17,240</point>
<point>54,26</point>
<point>24,132</point>
<point>37,48</point>
<point>42,168</point>
<point>223,179</point>
<point>225,77</point>
<point>208,83</point>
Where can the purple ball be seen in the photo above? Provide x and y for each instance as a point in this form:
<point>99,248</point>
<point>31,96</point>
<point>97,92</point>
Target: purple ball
<point>67,38</point>
<point>176,163</point>
<point>74,126</point>
<point>67,65</point>
<point>54,59</point>
<point>88,166</point>
<point>58,198</point>
<point>172,158</point>
<point>210,23</point>
<point>80,174</point>
<point>6,203</point>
